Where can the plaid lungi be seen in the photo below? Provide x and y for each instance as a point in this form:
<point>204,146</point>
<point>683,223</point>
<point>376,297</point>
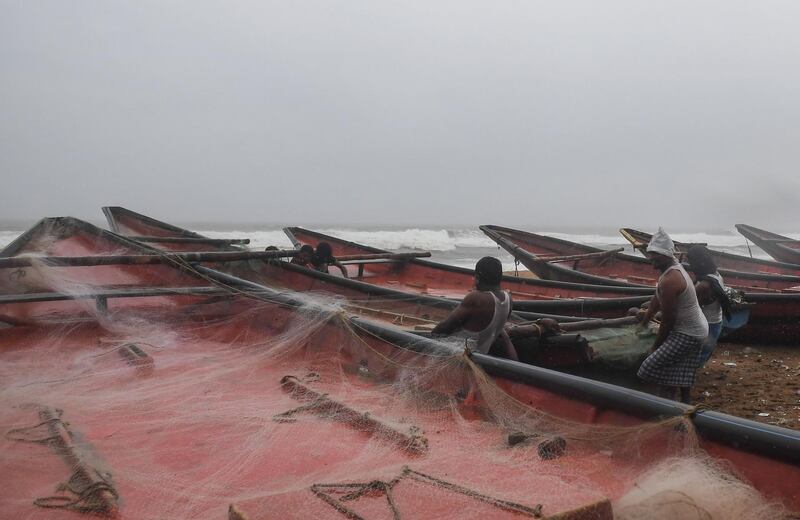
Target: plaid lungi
<point>674,363</point>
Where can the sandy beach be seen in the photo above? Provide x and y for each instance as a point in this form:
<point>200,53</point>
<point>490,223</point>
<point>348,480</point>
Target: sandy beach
<point>757,382</point>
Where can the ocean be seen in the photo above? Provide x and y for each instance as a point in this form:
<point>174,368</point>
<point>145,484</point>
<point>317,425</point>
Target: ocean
<point>456,246</point>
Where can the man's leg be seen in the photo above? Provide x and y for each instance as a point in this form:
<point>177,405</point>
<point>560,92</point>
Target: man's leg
<point>667,392</point>
<point>686,394</point>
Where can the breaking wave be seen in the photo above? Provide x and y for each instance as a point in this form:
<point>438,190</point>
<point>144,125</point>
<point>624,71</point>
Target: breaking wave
<point>258,239</point>
<point>415,238</point>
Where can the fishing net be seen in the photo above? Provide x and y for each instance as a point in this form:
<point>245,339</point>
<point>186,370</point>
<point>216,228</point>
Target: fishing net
<point>620,347</point>
<point>268,404</point>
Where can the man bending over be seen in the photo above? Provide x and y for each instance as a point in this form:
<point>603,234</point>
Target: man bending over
<point>683,328</point>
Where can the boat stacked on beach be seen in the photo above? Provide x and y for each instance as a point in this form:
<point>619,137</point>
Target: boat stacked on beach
<point>773,296</point>
<point>150,372</point>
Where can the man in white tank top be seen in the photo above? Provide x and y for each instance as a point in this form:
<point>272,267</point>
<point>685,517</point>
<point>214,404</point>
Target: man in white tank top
<point>482,314</point>
<point>683,328</point>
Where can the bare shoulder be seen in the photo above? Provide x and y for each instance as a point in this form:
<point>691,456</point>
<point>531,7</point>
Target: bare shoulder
<point>674,281</point>
<point>473,298</point>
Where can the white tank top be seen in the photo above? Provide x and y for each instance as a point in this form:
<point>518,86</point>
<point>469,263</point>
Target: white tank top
<point>483,340</point>
<point>713,311</point>
<point>689,318</point>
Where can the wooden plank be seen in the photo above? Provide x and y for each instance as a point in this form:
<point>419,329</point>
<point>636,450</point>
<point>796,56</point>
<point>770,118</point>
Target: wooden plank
<point>566,258</point>
<point>164,258</point>
<point>112,293</point>
<point>179,258</point>
<point>191,240</point>
<point>383,256</point>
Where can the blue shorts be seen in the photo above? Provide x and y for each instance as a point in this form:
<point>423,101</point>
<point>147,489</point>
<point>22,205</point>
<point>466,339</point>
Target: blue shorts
<point>714,330</point>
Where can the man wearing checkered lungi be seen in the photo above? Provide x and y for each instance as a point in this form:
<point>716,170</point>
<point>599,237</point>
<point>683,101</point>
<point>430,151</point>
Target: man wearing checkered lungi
<point>677,348</point>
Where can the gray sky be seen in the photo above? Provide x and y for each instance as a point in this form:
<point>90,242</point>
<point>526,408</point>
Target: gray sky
<point>529,113</point>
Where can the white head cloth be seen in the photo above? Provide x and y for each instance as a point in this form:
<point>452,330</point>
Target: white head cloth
<point>661,243</point>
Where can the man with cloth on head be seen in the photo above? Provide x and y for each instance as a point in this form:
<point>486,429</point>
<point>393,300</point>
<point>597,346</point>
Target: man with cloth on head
<point>683,329</point>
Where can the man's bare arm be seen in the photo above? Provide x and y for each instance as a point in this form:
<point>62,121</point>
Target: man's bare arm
<point>457,318</point>
<point>652,309</point>
<point>670,289</point>
<point>511,352</point>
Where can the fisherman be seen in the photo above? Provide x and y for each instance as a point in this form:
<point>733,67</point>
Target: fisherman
<point>711,294</point>
<point>676,351</point>
<point>482,314</point>
<point>303,257</point>
<point>269,249</point>
<point>323,258</point>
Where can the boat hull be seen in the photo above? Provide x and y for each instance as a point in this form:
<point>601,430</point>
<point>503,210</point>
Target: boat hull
<point>779,247</point>
<point>612,269</point>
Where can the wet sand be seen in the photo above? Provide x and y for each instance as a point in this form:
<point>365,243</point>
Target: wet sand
<point>752,380</point>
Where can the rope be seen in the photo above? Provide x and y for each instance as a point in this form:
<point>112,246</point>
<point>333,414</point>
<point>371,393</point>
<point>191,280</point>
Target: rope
<point>363,488</point>
<point>398,317</point>
<point>10,434</point>
<point>288,415</point>
<point>87,500</point>
<point>325,407</point>
<point>748,247</point>
<point>17,274</point>
<point>694,410</point>
<point>538,329</point>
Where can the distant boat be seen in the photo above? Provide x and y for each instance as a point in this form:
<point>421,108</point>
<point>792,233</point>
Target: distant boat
<point>774,318</point>
<point>558,259</point>
<point>779,247</point>
<point>724,260</point>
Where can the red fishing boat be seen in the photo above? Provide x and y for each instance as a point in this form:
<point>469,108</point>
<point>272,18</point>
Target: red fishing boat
<point>774,317</point>
<point>779,247</point>
<point>254,403</point>
<point>612,342</point>
<point>557,259</point>
<point>423,277</point>
<point>724,260</point>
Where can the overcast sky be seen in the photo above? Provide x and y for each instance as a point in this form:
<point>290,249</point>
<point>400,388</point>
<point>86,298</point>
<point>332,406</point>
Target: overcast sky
<point>529,113</point>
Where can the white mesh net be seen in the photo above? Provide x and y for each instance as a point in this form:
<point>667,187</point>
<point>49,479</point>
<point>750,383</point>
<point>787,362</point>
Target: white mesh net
<point>208,406</point>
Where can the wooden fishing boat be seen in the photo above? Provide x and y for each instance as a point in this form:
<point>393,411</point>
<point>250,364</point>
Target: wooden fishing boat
<point>773,318</point>
<point>259,402</point>
<point>779,247</point>
<point>557,259</point>
<point>423,277</point>
<point>724,260</point>
<point>611,342</point>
